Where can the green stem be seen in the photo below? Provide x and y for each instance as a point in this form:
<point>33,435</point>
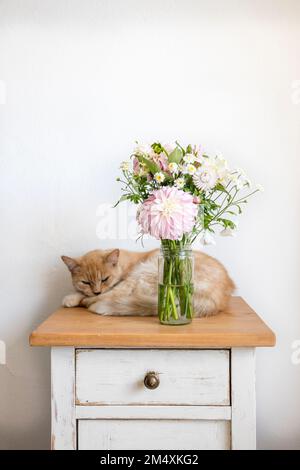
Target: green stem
<point>174,309</point>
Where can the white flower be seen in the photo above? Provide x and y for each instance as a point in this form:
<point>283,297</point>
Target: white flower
<point>190,169</point>
<point>189,158</point>
<point>179,183</point>
<point>173,167</point>
<point>159,177</point>
<point>240,172</point>
<point>207,238</point>
<point>198,150</point>
<point>205,177</point>
<point>228,232</point>
<point>221,167</point>
<point>242,182</point>
<point>233,176</point>
<point>125,166</point>
<point>239,178</point>
<point>239,184</point>
<point>260,188</point>
<point>143,149</point>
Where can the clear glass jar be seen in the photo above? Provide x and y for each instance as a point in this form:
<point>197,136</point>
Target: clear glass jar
<point>175,284</point>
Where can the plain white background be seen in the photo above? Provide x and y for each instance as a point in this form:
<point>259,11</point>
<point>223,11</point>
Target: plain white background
<point>83,80</point>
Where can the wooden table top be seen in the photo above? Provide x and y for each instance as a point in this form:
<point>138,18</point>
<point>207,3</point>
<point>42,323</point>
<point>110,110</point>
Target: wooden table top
<point>239,327</point>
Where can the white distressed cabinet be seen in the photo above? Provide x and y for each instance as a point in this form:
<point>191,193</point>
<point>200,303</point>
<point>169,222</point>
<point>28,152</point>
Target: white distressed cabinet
<point>131,383</point>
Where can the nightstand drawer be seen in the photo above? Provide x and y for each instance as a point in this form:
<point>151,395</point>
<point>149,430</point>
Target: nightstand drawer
<point>153,434</point>
<point>181,377</point>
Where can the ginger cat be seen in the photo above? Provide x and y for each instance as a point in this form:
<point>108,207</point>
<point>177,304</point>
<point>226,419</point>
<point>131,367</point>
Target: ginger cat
<point>120,282</point>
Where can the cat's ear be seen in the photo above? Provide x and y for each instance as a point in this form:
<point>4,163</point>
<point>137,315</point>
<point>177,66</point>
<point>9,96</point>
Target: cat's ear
<point>113,257</point>
<point>71,263</point>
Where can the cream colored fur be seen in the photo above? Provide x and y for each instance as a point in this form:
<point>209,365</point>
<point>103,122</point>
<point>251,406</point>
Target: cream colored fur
<point>133,289</point>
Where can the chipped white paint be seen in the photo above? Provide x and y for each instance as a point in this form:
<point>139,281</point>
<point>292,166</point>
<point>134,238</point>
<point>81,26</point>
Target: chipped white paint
<point>153,434</point>
<point>63,422</point>
<point>154,412</point>
<point>186,377</point>
<point>243,398</point>
<point>189,410</point>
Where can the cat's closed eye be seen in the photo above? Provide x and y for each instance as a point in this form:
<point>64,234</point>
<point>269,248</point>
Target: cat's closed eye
<point>105,279</point>
<point>86,282</point>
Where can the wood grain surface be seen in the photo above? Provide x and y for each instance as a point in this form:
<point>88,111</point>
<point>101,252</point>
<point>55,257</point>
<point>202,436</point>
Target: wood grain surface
<point>239,327</point>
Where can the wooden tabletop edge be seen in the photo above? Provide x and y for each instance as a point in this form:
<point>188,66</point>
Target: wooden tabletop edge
<point>160,341</point>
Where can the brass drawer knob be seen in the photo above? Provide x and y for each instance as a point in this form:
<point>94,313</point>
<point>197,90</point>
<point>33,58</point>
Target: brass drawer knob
<point>151,380</point>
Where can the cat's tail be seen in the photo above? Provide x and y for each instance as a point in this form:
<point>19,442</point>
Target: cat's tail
<point>214,301</point>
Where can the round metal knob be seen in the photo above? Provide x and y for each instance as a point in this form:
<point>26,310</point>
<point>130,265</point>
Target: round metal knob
<point>151,380</point>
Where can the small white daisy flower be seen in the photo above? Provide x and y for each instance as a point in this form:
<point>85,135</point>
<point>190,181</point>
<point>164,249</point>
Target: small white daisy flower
<point>179,183</point>
<point>190,169</point>
<point>159,177</point>
<point>173,167</point>
<point>189,158</point>
<point>125,166</point>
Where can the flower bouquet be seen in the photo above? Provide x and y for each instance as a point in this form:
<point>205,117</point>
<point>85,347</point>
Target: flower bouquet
<point>182,193</point>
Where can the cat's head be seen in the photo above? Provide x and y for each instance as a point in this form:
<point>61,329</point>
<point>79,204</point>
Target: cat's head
<point>96,272</point>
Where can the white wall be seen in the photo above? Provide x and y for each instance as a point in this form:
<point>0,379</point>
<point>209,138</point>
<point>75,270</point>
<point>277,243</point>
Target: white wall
<point>84,79</point>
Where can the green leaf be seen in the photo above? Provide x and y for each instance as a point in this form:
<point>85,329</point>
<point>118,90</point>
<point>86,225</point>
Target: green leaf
<point>220,187</point>
<point>149,164</point>
<point>180,146</point>
<point>226,223</point>
<point>175,156</point>
<point>231,213</point>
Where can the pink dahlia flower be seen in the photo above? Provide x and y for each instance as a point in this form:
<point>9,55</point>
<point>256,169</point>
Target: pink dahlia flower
<point>168,213</point>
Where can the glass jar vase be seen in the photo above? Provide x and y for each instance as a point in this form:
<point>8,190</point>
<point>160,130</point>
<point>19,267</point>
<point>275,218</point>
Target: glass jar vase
<point>175,284</point>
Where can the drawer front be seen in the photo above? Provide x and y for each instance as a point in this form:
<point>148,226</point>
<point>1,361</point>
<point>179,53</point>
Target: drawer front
<point>153,435</point>
<point>187,377</point>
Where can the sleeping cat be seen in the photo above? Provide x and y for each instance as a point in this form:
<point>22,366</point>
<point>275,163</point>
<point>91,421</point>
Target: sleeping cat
<point>120,282</point>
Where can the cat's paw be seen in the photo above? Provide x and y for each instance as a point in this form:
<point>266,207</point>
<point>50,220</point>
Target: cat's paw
<point>72,300</point>
<point>101,308</point>
<point>88,301</point>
